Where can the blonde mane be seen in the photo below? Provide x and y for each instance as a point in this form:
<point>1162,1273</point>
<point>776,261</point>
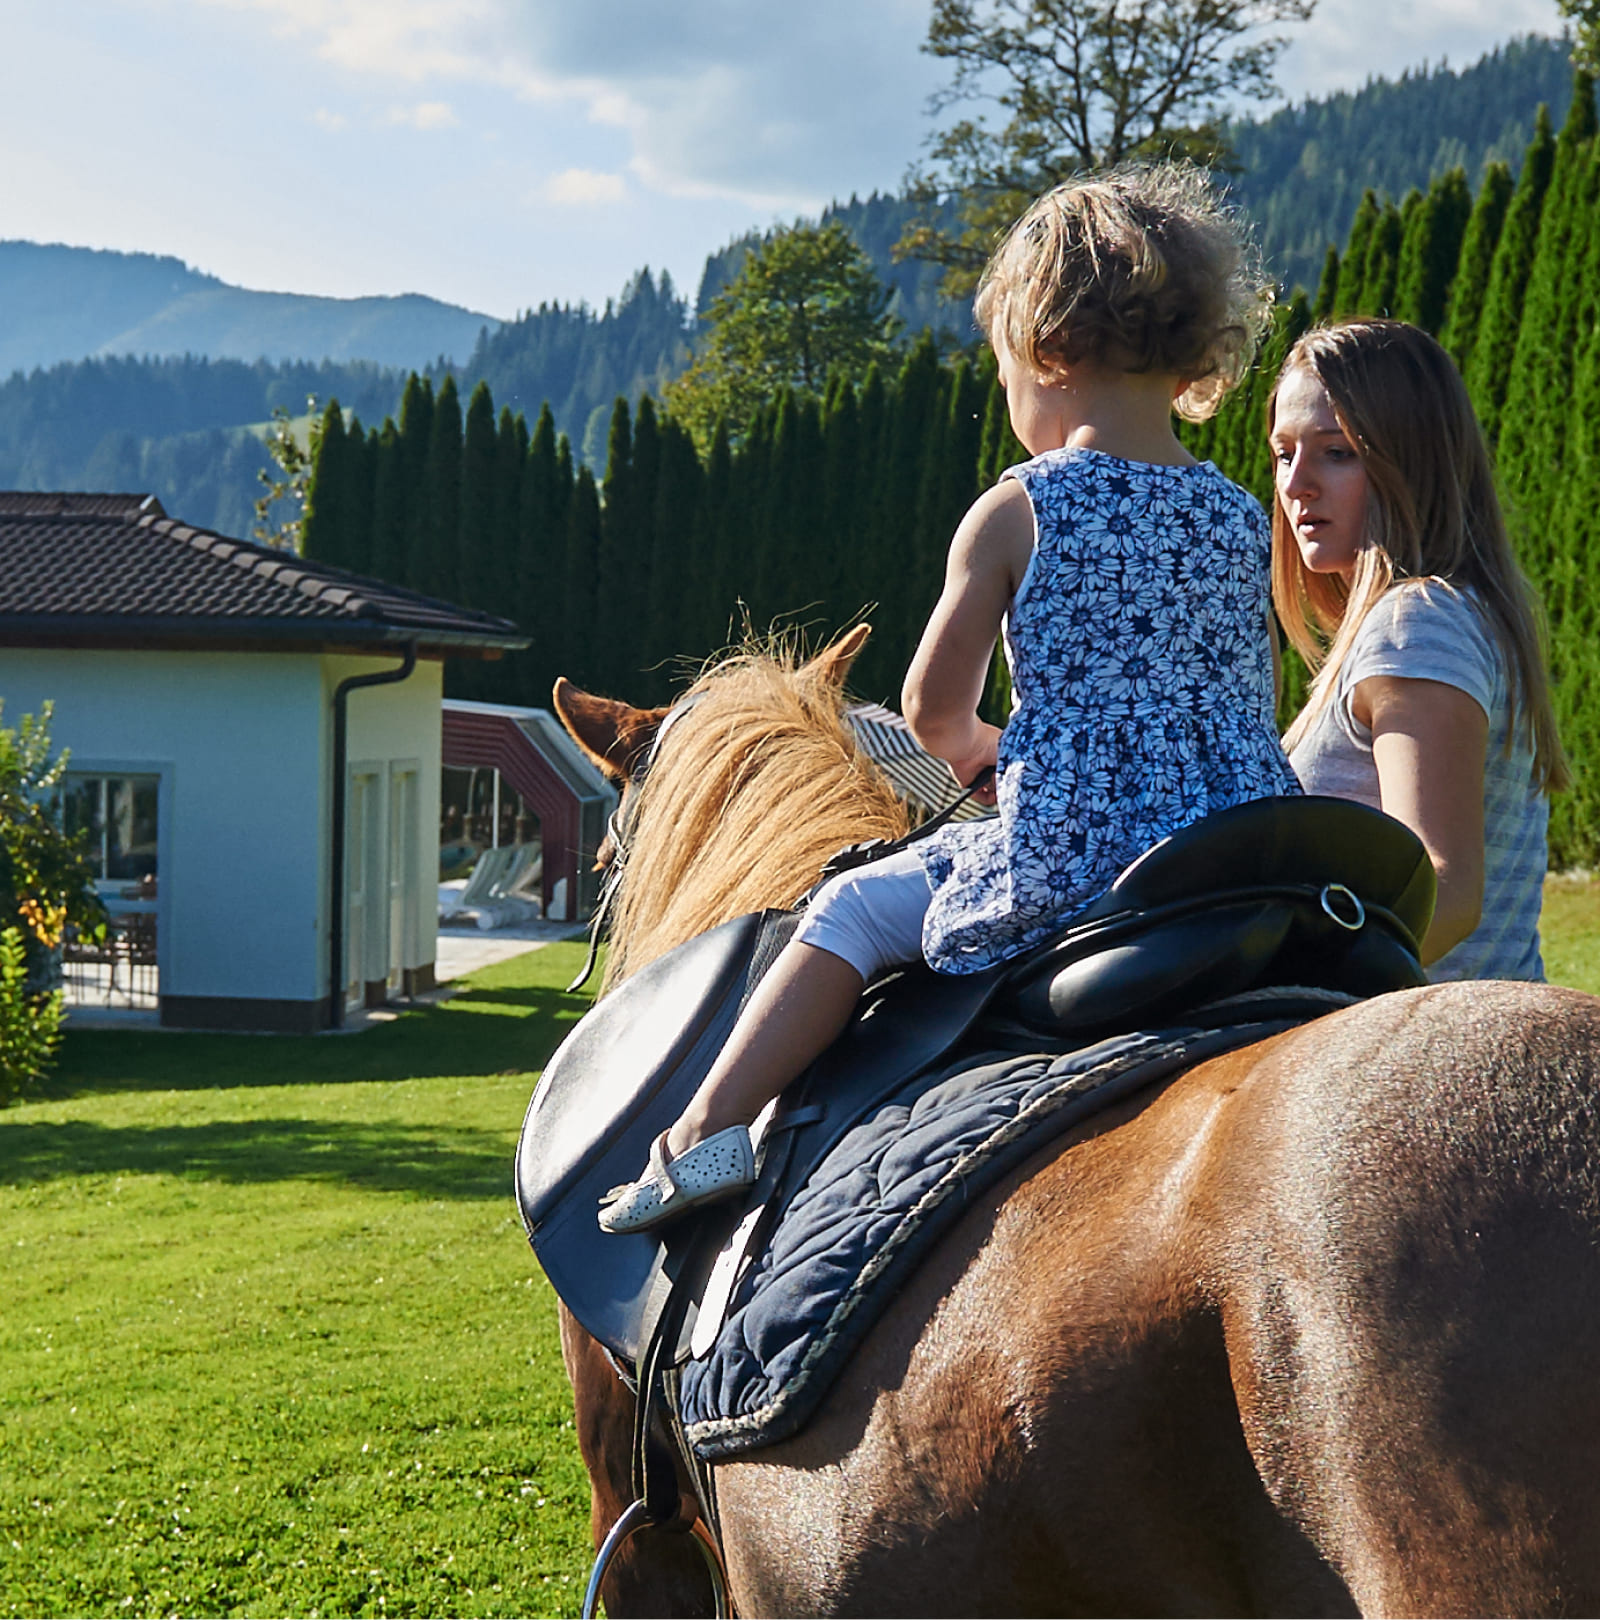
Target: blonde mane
<point>754,788</point>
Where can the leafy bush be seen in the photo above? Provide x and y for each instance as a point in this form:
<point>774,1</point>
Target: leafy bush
<point>45,889</point>
<point>30,1021</point>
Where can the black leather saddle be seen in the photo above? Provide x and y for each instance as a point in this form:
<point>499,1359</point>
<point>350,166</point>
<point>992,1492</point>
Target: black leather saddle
<point>1294,891</point>
<point>1314,892</point>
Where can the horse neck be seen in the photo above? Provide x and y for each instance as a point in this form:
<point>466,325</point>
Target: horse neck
<point>756,787</point>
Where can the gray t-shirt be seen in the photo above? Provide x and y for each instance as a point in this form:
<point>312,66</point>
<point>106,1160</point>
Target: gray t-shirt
<point>1427,630</point>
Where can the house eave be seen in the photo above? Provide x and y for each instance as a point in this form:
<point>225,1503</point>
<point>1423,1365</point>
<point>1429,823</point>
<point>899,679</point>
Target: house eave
<point>156,634</point>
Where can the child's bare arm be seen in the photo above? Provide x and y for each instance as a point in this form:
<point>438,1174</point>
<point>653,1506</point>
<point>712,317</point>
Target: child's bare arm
<point>945,683</point>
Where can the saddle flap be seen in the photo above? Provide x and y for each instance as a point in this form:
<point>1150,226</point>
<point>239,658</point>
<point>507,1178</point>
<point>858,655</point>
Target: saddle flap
<point>620,1054</point>
<point>614,1084</point>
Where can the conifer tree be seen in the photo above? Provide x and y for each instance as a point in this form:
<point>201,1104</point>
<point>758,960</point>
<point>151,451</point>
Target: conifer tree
<point>324,532</point>
<point>1565,568</point>
<point>362,449</point>
<point>1431,250</point>
<point>539,560</point>
<point>590,629</point>
<point>616,571</point>
<point>510,678</point>
<point>441,496</point>
<point>671,636</point>
<point>902,516</point>
<point>388,506</point>
<point>1477,259</point>
<point>713,543</point>
<point>416,433</point>
<point>838,538</point>
<point>1489,366</point>
<point>1353,266</point>
<point>1382,267</point>
<point>1327,286</point>
<point>1531,426</point>
<point>644,475</point>
<point>476,524</point>
<point>1000,448</point>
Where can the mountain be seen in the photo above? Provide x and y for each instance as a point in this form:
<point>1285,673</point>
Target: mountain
<point>189,428</point>
<point>1302,171</point>
<point>65,303</point>
<point>580,359</point>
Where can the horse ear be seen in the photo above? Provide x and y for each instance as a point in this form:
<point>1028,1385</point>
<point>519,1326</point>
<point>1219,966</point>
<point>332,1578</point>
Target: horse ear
<point>614,735</point>
<point>832,664</point>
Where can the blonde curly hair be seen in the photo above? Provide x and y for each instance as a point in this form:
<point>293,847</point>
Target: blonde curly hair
<point>1141,268</point>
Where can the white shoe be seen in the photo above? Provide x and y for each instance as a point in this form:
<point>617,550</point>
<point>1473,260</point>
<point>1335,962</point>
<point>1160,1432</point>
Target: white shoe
<point>716,1168</point>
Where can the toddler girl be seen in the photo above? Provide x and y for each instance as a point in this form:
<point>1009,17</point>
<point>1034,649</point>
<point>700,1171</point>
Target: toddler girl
<point>1130,583</point>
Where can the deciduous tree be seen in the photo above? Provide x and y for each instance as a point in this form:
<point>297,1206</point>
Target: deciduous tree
<point>1078,84</point>
<point>805,301</point>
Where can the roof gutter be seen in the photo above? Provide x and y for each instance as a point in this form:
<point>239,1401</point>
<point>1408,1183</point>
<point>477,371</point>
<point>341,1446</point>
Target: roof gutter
<point>341,703</point>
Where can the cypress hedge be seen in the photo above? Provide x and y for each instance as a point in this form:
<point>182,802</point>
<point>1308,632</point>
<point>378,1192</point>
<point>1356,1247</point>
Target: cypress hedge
<point>840,505</point>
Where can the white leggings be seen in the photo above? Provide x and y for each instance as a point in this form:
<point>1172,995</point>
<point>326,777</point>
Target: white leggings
<point>871,917</point>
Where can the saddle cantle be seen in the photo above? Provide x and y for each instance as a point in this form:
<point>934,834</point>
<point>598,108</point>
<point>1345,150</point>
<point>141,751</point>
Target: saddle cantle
<point>1308,890</point>
<point>1304,891</point>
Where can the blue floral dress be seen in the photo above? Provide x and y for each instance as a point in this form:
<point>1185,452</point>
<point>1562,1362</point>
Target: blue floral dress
<point>1142,681</point>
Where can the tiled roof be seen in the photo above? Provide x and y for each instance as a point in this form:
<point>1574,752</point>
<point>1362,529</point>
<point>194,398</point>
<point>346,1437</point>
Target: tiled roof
<point>100,569</point>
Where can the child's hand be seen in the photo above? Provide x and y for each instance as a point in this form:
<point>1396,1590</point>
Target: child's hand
<point>982,755</point>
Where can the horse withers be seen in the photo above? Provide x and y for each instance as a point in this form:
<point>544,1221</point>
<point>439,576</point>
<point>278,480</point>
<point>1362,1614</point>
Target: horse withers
<point>1310,1329</point>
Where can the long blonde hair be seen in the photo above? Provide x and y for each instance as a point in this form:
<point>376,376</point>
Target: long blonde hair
<point>1432,513</point>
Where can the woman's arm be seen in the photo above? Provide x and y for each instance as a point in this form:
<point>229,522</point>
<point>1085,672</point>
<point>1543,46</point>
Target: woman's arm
<point>945,683</point>
<point>1429,742</point>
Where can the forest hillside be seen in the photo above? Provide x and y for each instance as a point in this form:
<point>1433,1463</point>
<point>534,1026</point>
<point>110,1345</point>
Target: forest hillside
<point>69,303</point>
<point>189,427</point>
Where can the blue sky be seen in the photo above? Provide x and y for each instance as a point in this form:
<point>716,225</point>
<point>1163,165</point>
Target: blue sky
<point>501,153</point>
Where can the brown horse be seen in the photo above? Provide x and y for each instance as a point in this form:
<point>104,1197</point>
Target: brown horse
<point>1312,1329</point>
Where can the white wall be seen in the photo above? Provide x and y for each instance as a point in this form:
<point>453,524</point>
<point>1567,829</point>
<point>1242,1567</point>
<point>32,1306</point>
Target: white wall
<point>390,727</point>
<point>235,739</point>
<point>243,743</point>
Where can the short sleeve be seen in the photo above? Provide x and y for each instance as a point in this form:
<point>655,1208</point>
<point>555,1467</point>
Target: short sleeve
<point>1425,630</point>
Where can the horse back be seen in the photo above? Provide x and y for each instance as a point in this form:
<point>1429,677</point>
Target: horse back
<point>1402,1214</point>
<point>1310,1329</point>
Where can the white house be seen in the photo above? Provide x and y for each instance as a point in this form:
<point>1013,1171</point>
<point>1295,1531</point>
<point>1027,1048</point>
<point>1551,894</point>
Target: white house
<point>255,750</point>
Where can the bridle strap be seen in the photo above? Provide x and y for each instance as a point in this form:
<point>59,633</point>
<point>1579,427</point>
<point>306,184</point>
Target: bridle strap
<point>619,827</point>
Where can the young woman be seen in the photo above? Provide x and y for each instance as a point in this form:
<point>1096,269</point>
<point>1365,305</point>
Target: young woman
<point>1394,579</point>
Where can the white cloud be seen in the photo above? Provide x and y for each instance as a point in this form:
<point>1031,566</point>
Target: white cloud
<point>771,104</point>
<point>332,122</point>
<point>583,187</point>
<point>1349,41</point>
<point>425,115</point>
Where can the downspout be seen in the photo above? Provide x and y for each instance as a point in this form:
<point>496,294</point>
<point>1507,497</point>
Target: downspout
<point>341,698</point>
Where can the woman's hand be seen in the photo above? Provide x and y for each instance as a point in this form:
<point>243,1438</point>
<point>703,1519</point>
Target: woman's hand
<point>1429,743</point>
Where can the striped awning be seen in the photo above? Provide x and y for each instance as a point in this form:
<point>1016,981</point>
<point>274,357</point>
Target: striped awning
<point>926,783</point>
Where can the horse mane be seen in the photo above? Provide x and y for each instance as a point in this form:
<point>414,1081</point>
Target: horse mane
<point>755,787</point>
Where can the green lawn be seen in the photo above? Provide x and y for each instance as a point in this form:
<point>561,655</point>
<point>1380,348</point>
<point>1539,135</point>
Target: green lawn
<point>271,1339</point>
<point>1571,928</point>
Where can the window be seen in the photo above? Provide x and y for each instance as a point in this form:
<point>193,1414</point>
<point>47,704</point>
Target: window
<point>119,815</point>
